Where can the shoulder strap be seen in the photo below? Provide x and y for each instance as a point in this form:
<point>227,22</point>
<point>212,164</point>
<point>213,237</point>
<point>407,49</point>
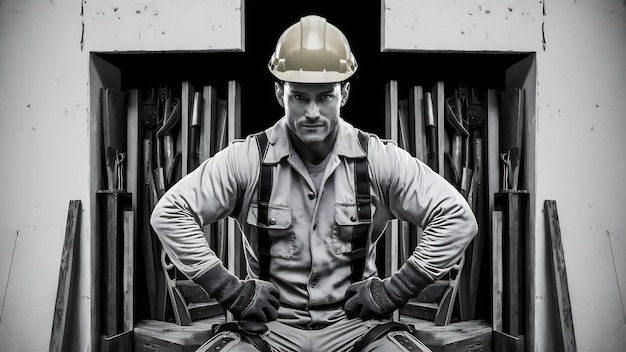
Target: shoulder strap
<point>364,212</point>
<point>265,191</point>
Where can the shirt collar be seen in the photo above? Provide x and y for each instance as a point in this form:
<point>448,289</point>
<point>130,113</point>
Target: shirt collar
<point>347,142</point>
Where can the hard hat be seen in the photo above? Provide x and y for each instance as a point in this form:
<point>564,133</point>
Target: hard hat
<point>312,51</point>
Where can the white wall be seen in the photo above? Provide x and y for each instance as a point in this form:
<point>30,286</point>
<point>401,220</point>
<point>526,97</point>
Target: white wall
<point>581,80</point>
<point>44,135</point>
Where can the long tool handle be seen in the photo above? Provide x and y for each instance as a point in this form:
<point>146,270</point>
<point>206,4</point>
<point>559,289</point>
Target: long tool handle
<point>431,133</point>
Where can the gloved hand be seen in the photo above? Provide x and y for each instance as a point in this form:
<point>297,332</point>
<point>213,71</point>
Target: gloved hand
<point>376,298</point>
<point>367,299</point>
<point>250,299</point>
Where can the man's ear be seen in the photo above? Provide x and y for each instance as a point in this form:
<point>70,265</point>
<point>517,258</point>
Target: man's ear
<point>280,93</point>
<point>345,92</point>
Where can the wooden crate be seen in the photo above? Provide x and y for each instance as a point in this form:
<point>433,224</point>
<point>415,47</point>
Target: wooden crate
<point>162,336</point>
<point>465,336</point>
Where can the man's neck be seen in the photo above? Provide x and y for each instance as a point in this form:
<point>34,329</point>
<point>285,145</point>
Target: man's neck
<point>314,153</point>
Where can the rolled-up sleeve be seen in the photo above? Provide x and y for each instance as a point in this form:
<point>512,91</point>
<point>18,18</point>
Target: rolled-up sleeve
<point>419,195</point>
<point>207,194</point>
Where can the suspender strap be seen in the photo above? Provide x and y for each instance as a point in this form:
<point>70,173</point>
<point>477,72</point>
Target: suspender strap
<point>364,213</point>
<point>249,330</point>
<point>377,332</point>
<point>265,191</point>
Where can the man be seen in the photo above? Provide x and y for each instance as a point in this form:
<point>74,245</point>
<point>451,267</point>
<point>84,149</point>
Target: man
<point>312,196</point>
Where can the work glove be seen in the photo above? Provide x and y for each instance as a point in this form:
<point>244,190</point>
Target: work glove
<point>377,299</point>
<point>250,299</point>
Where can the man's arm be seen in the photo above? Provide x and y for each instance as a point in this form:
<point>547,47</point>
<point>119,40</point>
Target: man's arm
<point>208,194</point>
<point>414,193</point>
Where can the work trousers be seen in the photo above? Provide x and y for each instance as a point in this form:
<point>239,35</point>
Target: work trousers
<point>338,337</point>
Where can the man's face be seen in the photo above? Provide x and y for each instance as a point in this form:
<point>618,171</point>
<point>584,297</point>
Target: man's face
<point>312,109</point>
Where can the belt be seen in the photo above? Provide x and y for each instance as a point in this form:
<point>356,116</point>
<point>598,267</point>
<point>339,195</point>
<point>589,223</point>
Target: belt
<point>326,306</point>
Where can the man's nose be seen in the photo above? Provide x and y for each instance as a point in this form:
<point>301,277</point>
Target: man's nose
<point>312,110</point>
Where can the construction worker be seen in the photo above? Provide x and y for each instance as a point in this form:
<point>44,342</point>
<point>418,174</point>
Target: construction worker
<point>312,195</point>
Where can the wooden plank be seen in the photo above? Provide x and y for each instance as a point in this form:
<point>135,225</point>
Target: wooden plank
<point>186,100</point>
<point>112,206</point>
<point>146,234</point>
<point>66,275</point>
<point>493,148</point>
<point>161,336</point>
<point>438,95</point>
<point>505,342</point>
<point>236,258</point>
<point>480,238</point>
<point>221,139</point>
<point>496,270</point>
<point>207,126</point>
<point>128,278</point>
<point>469,335</point>
<point>122,342</point>
<point>404,133</point>
<point>553,230</point>
<point>513,205</point>
<point>391,110</point>
<point>133,166</point>
<point>416,111</point>
<point>234,110</point>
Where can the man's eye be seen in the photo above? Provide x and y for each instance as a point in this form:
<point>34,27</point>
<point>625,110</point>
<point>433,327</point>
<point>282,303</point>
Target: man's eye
<point>299,97</point>
<point>326,97</point>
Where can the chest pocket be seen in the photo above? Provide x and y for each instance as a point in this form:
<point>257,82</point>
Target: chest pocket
<point>279,229</point>
<point>346,221</point>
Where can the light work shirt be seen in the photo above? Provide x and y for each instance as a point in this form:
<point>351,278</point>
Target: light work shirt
<point>311,227</point>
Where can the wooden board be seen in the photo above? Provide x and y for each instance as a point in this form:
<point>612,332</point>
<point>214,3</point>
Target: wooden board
<point>161,336</point>
<point>508,343</point>
<point>122,342</point>
<point>112,206</point>
<point>207,126</point>
<point>186,108</point>
<point>416,113</point>
<point>514,210</point>
<point>66,275</point>
<point>128,271</point>
<point>553,231</point>
<point>469,335</point>
<point>496,270</point>
<point>438,95</point>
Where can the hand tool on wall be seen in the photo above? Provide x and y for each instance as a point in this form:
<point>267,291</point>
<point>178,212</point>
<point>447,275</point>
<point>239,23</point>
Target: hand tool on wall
<point>194,132</point>
<point>168,133</point>
<point>114,130</point>
<point>458,138</point>
<point>431,132</point>
<point>512,132</point>
<point>462,94</point>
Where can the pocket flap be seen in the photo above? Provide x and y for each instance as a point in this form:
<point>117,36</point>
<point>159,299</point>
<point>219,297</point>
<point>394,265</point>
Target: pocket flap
<point>277,217</point>
<point>347,215</point>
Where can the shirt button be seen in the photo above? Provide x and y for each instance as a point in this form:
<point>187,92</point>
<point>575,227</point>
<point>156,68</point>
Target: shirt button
<point>354,218</point>
<point>311,195</point>
<point>272,221</point>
